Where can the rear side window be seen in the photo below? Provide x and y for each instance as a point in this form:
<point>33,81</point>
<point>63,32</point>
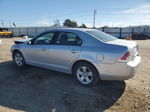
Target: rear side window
<point>102,36</point>
<point>68,39</point>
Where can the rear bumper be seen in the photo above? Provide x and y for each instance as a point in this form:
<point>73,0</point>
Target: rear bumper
<point>119,71</point>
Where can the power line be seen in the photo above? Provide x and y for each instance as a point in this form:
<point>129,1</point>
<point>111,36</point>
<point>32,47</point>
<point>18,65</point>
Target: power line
<point>77,15</point>
<point>70,14</point>
<point>123,14</point>
<point>58,16</point>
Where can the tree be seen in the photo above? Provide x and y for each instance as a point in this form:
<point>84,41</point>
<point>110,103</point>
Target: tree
<point>83,26</point>
<point>70,23</point>
<point>56,23</point>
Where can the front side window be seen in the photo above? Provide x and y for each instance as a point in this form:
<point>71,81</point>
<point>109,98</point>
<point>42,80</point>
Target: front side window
<point>44,39</point>
<point>69,39</point>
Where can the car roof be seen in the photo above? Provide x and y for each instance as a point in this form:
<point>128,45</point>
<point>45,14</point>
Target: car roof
<point>71,29</point>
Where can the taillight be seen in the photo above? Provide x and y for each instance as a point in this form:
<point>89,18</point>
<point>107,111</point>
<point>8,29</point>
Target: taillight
<point>125,56</point>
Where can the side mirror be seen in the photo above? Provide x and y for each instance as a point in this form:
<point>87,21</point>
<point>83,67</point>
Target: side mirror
<point>29,42</point>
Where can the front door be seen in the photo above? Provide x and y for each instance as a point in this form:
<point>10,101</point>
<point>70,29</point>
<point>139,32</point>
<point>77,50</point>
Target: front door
<point>39,50</point>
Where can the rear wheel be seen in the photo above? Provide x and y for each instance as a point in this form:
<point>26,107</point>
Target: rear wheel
<point>19,59</point>
<point>86,74</point>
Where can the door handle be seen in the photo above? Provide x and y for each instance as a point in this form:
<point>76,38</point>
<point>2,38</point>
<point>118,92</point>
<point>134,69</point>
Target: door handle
<point>44,49</point>
<point>73,51</point>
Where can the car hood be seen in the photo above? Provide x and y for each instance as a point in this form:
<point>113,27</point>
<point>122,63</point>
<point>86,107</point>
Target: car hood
<point>22,40</point>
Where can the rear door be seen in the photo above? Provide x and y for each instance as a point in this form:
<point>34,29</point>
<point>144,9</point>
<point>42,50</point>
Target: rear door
<point>66,48</point>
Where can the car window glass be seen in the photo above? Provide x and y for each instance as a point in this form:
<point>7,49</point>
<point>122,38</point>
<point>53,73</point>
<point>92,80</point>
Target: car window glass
<point>44,39</point>
<point>102,36</point>
<point>68,39</point>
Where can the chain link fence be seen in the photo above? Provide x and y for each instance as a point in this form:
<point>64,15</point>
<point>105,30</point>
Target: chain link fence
<point>115,31</point>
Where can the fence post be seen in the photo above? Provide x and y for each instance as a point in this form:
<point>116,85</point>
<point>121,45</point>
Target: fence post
<point>12,31</point>
<point>144,30</point>
<point>120,33</point>
<point>36,31</point>
<point>27,31</point>
<point>103,29</point>
<point>19,32</point>
<point>132,31</point>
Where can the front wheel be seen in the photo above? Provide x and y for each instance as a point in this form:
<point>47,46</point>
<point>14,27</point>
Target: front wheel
<point>19,59</point>
<point>86,74</point>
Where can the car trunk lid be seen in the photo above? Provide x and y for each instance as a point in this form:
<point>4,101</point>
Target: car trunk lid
<point>132,47</point>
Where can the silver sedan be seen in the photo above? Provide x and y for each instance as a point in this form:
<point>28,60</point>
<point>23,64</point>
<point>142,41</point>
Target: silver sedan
<point>90,55</point>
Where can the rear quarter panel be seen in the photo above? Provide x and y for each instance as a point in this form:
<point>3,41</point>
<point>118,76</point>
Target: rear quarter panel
<point>107,53</point>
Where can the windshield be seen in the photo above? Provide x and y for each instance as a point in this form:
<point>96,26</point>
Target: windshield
<point>102,36</point>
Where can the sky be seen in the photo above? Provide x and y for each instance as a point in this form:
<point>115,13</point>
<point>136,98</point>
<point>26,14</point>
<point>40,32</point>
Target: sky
<point>119,13</point>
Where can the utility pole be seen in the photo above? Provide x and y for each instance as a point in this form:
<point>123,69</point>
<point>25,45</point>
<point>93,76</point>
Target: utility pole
<point>94,18</point>
<point>2,23</point>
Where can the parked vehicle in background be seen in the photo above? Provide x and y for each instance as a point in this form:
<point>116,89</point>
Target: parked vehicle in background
<point>5,33</point>
<point>140,36</point>
<point>89,54</point>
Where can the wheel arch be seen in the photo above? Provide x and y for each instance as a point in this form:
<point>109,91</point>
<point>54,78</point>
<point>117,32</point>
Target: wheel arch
<point>83,60</point>
<point>15,50</point>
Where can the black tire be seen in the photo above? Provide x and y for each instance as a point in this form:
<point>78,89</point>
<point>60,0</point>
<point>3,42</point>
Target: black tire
<point>92,69</point>
<point>22,61</point>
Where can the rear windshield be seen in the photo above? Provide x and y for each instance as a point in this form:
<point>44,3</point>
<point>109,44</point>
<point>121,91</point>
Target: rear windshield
<point>102,36</point>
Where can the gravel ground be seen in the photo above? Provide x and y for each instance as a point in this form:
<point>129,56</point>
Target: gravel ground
<point>34,89</point>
